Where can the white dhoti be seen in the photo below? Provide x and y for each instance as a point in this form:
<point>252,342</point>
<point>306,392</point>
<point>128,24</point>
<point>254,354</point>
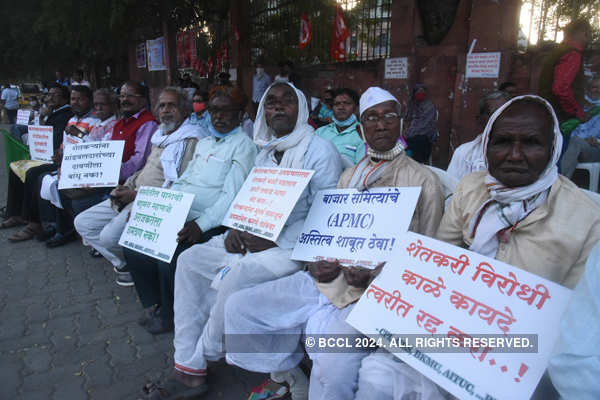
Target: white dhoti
<point>385,377</point>
<point>101,227</point>
<point>206,276</point>
<point>267,322</point>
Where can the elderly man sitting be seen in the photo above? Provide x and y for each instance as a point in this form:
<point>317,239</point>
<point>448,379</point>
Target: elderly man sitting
<point>216,173</point>
<point>519,211</point>
<point>173,146</point>
<point>237,260</point>
<point>318,301</point>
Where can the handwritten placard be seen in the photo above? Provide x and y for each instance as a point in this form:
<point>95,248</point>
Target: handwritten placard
<point>483,65</point>
<point>93,164</point>
<point>354,227</point>
<point>156,217</point>
<point>40,140</point>
<point>396,68</point>
<point>266,200</point>
<point>433,288</point>
<point>23,117</point>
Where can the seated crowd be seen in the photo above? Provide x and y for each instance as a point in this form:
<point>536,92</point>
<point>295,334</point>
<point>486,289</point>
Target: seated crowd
<point>511,204</point>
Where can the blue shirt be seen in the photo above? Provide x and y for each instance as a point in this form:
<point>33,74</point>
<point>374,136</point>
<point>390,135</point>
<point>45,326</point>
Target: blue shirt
<point>215,175</point>
<point>348,142</point>
<point>259,85</point>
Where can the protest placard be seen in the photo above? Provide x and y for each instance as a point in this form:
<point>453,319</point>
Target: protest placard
<point>23,117</point>
<point>156,217</point>
<point>93,164</point>
<point>460,304</point>
<point>483,65</point>
<point>40,140</point>
<point>354,227</point>
<point>266,200</point>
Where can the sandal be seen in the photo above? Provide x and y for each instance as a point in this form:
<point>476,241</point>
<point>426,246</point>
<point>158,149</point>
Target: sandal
<point>27,233</point>
<point>172,389</point>
<point>269,390</point>
<point>11,223</point>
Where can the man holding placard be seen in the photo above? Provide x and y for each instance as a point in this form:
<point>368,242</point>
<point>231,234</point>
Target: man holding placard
<point>58,102</point>
<point>207,274</point>
<point>516,212</point>
<point>319,300</point>
<point>101,226</point>
<point>220,165</point>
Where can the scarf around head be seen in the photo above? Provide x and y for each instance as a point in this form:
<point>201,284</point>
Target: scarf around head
<point>174,147</point>
<point>293,145</point>
<point>507,206</point>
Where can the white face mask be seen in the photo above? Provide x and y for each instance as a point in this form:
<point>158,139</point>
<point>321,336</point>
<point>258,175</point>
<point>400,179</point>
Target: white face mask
<point>260,71</point>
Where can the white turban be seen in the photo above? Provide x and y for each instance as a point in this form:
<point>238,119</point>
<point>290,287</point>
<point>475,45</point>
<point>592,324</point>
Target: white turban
<point>373,96</point>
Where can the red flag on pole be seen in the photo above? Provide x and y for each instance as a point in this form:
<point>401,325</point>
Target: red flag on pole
<point>339,35</point>
<point>305,32</point>
<point>180,51</point>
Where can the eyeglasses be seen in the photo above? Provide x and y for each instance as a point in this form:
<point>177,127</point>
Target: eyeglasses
<point>387,118</point>
<point>129,96</point>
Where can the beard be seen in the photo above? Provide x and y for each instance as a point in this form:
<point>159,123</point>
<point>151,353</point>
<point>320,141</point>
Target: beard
<point>168,127</point>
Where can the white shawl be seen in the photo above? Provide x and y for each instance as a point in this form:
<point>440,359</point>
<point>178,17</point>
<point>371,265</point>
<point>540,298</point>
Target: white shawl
<point>507,206</point>
<point>293,145</point>
<point>174,148</point>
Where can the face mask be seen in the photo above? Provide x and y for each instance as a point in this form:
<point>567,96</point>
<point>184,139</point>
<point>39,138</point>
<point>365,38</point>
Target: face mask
<point>199,106</point>
<point>420,96</point>
<point>215,132</point>
<point>260,71</point>
<point>348,122</point>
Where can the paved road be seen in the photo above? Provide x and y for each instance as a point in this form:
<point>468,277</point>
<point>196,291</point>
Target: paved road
<point>67,331</point>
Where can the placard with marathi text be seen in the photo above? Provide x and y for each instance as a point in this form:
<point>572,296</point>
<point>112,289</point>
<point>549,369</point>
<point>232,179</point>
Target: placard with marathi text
<point>156,217</point>
<point>40,141</point>
<point>354,227</point>
<point>92,164</point>
<point>266,200</point>
<point>485,329</point>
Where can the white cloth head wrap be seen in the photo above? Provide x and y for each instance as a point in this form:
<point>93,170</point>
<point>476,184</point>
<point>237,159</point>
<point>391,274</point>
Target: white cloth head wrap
<point>293,145</point>
<point>507,206</point>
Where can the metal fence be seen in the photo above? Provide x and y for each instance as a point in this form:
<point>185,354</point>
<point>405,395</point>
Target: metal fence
<point>275,29</point>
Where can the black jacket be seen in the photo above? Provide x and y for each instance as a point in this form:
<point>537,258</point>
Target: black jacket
<point>58,119</point>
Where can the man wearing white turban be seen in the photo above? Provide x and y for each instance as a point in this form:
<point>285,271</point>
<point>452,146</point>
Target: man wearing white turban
<point>519,210</point>
<point>317,301</point>
<point>209,273</point>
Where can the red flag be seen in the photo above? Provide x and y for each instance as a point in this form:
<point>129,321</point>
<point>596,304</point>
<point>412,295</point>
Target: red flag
<point>180,51</point>
<point>191,47</point>
<point>224,54</point>
<point>236,34</point>
<point>339,35</point>
<point>209,65</point>
<point>219,60</point>
<point>305,32</point>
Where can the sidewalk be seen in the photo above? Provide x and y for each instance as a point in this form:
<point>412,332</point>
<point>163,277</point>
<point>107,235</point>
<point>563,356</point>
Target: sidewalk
<point>68,332</point>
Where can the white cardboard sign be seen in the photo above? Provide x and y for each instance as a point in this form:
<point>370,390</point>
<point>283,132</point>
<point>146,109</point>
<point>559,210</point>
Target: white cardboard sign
<point>432,287</point>
<point>93,164</point>
<point>483,65</point>
<point>266,200</point>
<point>40,140</point>
<point>354,227</point>
<point>156,217</point>
<point>23,117</point>
<point>396,68</point>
